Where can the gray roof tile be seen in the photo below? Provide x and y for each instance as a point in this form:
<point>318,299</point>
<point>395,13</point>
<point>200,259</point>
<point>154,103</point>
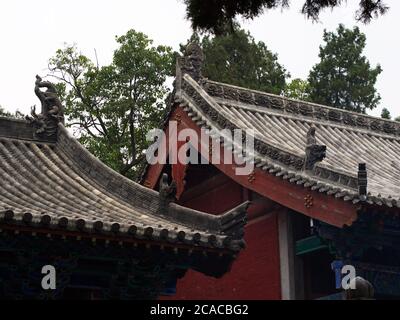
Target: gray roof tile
<point>60,185</point>
<point>280,128</point>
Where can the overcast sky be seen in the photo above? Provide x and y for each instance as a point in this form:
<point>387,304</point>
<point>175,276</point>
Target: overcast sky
<point>31,32</point>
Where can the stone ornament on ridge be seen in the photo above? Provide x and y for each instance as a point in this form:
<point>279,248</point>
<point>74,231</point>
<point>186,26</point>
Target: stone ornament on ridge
<point>314,152</point>
<point>52,111</point>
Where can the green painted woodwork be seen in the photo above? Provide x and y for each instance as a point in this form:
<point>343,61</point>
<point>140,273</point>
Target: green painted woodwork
<point>309,244</point>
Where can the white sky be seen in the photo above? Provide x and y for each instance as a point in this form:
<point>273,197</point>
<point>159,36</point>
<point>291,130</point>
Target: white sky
<point>31,32</point>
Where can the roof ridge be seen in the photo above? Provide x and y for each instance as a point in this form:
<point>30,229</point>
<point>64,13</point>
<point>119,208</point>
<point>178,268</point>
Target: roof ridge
<point>12,119</point>
<point>291,116</point>
<point>346,117</point>
<point>21,129</point>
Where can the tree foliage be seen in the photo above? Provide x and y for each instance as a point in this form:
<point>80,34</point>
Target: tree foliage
<point>4,113</point>
<point>239,60</point>
<point>344,78</point>
<point>218,16</point>
<point>298,89</point>
<point>114,106</point>
<point>385,114</point>
<point>16,115</point>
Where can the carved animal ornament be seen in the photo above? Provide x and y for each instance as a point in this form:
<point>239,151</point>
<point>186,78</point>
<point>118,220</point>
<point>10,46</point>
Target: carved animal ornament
<point>52,111</point>
<point>314,152</point>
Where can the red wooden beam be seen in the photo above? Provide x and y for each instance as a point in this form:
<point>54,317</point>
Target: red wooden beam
<point>178,173</point>
<point>152,175</point>
<point>178,170</point>
<point>153,172</point>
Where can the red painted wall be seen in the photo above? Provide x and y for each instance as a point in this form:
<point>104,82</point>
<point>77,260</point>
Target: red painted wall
<point>254,275</point>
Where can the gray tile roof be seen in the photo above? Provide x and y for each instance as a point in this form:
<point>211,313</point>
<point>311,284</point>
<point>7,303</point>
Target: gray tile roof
<point>280,128</point>
<point>58,184</point>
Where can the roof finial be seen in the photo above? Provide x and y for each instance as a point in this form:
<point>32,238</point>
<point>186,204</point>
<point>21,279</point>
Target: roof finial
<point>52,110</point>
<point>314,152</point>
<point>192,61</point>
<point>362,181</point>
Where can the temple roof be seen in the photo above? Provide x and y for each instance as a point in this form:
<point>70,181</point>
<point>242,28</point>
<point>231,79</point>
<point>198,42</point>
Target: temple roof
<point>280,129</point>
<point>52,181</point>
